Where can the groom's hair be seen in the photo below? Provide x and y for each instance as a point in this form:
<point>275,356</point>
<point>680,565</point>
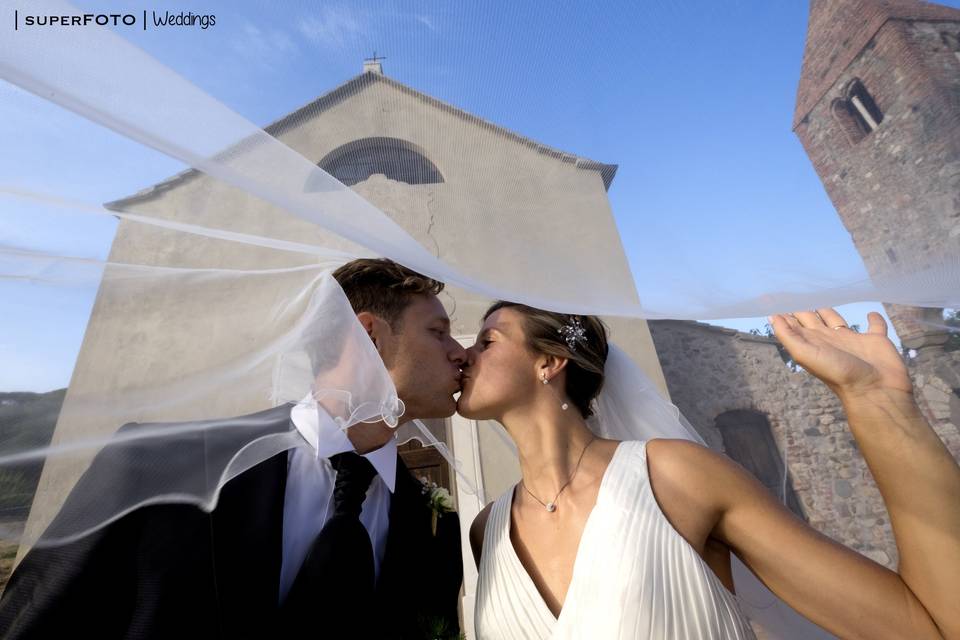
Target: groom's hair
<point>383,287</point>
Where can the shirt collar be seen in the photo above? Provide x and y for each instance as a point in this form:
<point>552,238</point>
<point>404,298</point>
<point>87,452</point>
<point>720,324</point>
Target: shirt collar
<point>384,460</point>
<point>321,432</point>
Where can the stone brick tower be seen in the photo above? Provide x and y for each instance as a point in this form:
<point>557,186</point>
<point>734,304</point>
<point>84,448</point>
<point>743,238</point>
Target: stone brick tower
<point>878,112</point>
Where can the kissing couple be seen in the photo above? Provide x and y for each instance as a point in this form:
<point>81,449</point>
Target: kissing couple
<point>620,527</point>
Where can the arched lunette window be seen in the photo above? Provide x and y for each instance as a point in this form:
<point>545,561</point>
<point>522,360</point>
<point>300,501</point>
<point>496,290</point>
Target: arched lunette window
<point>394,158</point>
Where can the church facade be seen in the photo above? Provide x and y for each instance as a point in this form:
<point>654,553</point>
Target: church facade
<point>428,166</point>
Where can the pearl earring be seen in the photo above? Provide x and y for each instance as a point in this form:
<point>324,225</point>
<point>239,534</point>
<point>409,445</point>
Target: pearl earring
<point>543,379</point>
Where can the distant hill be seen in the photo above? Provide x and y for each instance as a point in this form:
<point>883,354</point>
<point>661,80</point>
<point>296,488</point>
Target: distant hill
<point>27,421</point>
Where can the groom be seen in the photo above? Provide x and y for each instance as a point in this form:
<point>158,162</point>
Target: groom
<point>335,545</point>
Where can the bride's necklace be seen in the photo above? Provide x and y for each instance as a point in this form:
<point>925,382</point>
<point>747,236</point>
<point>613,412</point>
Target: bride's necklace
<point>552,505</point>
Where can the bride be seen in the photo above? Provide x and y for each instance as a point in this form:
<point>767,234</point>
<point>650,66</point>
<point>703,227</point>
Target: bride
<point>608,539</point>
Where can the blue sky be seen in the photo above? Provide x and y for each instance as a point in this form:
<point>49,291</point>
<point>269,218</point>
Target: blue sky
<point>693,101</point>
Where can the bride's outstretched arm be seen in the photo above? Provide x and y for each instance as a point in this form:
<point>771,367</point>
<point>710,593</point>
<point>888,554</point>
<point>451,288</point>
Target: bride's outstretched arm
<point>707,496</point>
<point>917,477</point>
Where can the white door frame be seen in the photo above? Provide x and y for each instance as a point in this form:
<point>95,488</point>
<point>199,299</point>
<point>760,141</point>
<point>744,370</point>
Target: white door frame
<point>466,449</point>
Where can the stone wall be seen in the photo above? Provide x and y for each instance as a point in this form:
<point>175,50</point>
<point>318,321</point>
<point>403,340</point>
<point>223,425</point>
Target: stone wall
<point>937,385</point>
<point>710,370</point>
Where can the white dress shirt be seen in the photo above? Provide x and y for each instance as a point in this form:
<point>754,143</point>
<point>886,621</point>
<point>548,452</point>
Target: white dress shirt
<point>308,500</point>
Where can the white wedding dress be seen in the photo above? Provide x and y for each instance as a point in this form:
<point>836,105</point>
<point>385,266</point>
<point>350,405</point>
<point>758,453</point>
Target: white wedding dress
<point>634,576</point>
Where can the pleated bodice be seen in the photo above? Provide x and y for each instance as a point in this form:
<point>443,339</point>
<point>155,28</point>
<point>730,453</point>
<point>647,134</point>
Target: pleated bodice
<point>634,576</point>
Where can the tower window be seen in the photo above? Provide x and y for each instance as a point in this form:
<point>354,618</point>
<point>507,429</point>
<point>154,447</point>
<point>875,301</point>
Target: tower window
<point>856,112</point>
<point>952,42</point>
<point>863,106</point>
<point>841,113</point>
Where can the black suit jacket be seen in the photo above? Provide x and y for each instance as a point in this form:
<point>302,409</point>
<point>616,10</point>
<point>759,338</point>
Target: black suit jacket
<point>176,571</point>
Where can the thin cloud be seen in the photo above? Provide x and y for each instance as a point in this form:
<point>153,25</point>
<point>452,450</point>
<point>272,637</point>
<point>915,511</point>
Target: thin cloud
<point>427,21</point>
<point>332,27</point>
<point>264,46</point>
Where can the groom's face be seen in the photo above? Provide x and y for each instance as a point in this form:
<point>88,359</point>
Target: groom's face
<point>424,360</point>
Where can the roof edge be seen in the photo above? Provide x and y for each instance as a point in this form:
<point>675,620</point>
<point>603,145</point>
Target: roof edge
<point>345,90</point>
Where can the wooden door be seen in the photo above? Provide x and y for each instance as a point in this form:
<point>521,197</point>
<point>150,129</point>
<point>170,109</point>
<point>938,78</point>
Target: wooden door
<point>426,462</point>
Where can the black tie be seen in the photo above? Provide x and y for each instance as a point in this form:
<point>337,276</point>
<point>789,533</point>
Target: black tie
<point>332,594</point>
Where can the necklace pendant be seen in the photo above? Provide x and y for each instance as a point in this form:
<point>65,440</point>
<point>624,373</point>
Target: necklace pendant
<point>551,507</point>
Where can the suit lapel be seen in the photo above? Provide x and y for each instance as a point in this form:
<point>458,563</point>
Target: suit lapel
<point>247,538</point>
<point>409,522</point>
<point>421,573</point>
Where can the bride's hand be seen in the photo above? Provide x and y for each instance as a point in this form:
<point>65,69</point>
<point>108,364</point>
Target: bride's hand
<point>852,364</point>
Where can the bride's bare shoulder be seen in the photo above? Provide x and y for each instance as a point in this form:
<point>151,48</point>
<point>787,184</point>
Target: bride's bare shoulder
<point>476,532</point>
<point>691,460</point>
<point>677,451</point>
<point>684,477</point>
<point>684,465</point>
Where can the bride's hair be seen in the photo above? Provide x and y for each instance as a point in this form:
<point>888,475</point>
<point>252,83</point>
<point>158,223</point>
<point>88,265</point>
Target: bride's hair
<point>585,363</point>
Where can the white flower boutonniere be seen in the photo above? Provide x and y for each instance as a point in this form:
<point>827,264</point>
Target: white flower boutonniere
<point>439,499</point>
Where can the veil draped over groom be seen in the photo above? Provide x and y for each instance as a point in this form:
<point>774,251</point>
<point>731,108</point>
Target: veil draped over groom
<point>215,299</point>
